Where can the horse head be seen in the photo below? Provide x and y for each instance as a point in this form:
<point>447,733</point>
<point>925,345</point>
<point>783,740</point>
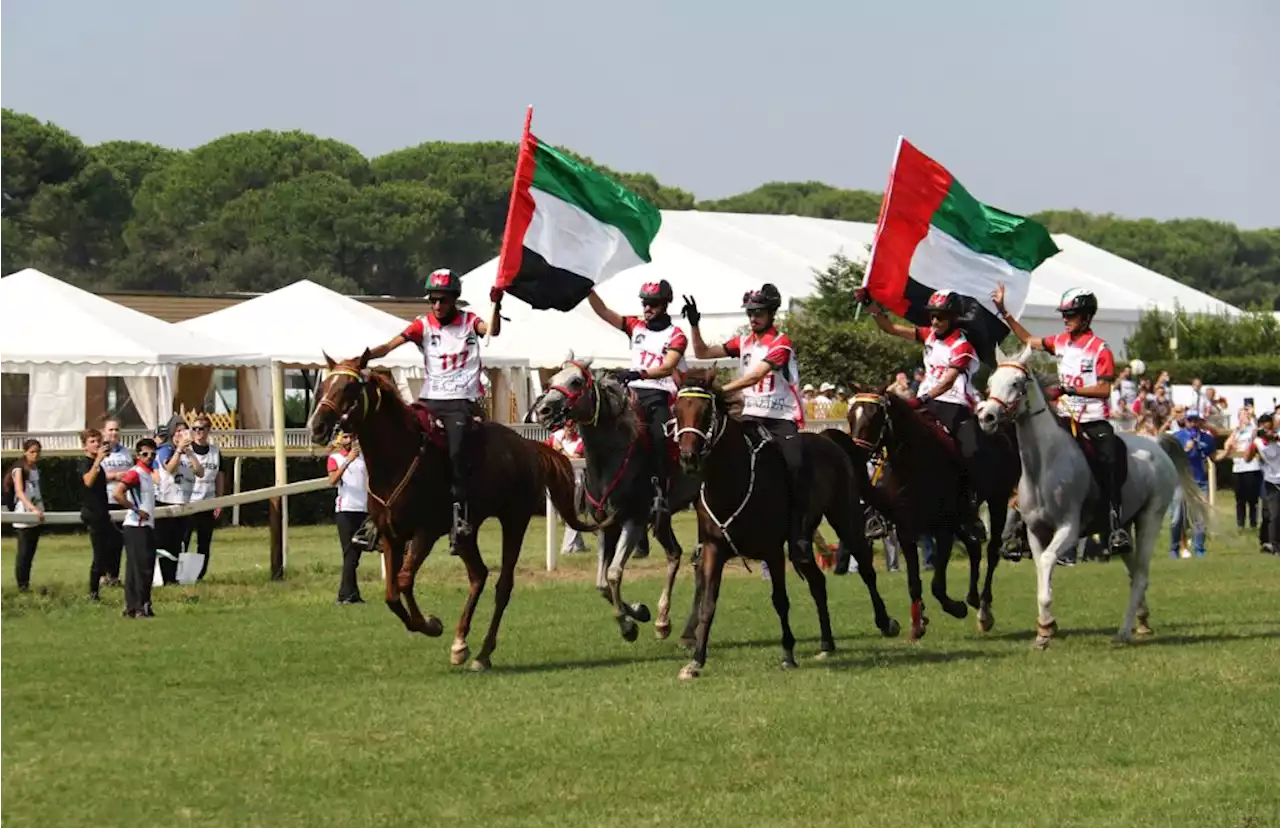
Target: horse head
<point>700,413</point>
<point>870,425</point>
<point>1009,391</point>
<point>571,394</point>
<point>344,398</point>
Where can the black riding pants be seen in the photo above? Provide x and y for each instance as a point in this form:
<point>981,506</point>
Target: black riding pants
<point>786,436</point>
<point>348,523</point>
<point>1107,445</point>
<point>201,525</point>
<point>958,420</point>
<point>140,551</point>
<point>655,407</point>
<point>456,416</point>
<point>170,535</point>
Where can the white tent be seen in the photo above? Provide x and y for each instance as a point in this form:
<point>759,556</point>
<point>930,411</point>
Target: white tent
<point>59,335</point>
<point>299,323</point>
<point>719,256</point>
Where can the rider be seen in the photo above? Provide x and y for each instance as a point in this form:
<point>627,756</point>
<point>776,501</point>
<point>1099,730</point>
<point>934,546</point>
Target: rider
<point>449,339</point>
<point>950,363</point>
<point>1086,368</point>
<point>770,394</point>
<point>657,356</point>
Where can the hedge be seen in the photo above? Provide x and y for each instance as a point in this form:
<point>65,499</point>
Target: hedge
<point>1249,370</point>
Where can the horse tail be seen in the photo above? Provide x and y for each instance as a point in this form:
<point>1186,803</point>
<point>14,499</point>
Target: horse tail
<point>558,477</point>
<point>1197,504</point>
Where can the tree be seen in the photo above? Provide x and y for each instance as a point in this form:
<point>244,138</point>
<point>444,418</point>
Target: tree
<point>1203,336</point>
<point>809,198</point>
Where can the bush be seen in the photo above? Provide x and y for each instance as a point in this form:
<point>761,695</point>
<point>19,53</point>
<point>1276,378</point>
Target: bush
<point>1203,336</point>
<point>1244,370</point>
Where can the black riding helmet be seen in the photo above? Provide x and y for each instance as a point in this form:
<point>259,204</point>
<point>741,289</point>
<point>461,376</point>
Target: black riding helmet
<point>444,281</point>
<point>766,298</point>
<point>657,292</point>
<point>1078,301</point>
<point>944,301</point>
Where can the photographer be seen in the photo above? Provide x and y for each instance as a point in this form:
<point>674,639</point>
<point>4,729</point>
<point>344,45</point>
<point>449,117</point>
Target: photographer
<point>103,535</point>
<point>177,468</point>
<point>1266,447</point>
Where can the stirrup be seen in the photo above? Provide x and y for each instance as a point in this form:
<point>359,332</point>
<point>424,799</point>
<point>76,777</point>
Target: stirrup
<point>461,527</point>
<point>366,537</point>
<point>876,526</point>
<point>1119,542</point>
<point>660,505</point>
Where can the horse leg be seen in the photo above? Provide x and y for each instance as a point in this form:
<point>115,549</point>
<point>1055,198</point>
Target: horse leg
<point>427,625</point>
<point>1046,562</point>
<point>512,540</point>
<point>712,566</point>
<point>915,587</point>
<point>782,606</point>
<point>817,582</point>
<point>999,511</point>
<point>974,551</point>
<point>688,637</point>
<point>856,543</point>
<point>942,555</point>
<point>608,541</point>
<point>625,615</point>
<point>667,537</point>
<point>1138,562</point>
<point>477,575</point>
<point>392,559</point>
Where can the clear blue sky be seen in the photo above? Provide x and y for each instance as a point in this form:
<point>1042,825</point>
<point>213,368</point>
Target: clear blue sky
<point>1157,108</point>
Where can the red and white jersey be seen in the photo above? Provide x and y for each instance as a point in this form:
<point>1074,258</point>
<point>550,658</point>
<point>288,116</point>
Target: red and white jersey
<point>568,446</point>
<point>952,351</point>
<point>777,396</point>
<point>649,349</point>
<point>353,486</point>
<point>140,491</point>
<point>1083,360</point>
<point>450,355</point>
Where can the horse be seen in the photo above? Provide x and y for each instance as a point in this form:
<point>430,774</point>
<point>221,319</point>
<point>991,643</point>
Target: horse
<point>922,495</point>
<point>1058,495</point>
<point>743,510</point>
<point>409,492</point>
<point>618,482</point>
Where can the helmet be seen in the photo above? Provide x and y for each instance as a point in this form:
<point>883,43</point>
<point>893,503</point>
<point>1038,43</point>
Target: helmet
<point>444,281</point>
<point>944,301</point>
<point>657,291</point>
<point>1078,301</point>
<point>766,298</point>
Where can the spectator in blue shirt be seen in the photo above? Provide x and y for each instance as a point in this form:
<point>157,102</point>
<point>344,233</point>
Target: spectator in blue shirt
<point>1199,446</point>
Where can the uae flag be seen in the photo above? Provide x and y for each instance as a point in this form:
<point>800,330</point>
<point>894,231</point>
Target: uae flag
<point>569,227</point>
<point>932,235</point>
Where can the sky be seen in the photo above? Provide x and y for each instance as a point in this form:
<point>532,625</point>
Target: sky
<point>1160,108</point>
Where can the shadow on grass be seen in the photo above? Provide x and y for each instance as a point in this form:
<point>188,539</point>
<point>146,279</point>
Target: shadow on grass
<point>1161,637</point>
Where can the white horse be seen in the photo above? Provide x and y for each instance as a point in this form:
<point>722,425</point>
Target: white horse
<point>1057,493</point>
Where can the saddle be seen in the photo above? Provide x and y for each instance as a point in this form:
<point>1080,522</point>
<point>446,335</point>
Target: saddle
<point>1097,514</point>
<point>433,428</point>
<point>944,435</point>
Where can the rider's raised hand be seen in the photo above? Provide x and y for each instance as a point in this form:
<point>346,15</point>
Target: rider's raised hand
<point>862,296</point>
<point>691,312</point>
<point>997,296</point>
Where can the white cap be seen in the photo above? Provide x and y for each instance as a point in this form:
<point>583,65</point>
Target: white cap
<point>826,386</point>
<point>808,387</point>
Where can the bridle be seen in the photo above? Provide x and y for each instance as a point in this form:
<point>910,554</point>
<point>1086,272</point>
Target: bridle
<point>344,416</point>
<point>713,432</point>
<point>886,427</point>
<point>1011,409</point>
<point>571,398</point>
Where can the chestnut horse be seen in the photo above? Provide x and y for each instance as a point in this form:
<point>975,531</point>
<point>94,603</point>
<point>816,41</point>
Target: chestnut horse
<point>743,510</point>
<point>509,478</point>
<point>922,496</point>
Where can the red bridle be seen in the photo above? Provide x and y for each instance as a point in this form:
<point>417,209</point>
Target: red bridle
<point>571,398</point>
<point>1011,409</point>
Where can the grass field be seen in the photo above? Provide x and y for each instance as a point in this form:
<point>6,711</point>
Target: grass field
<point>256,703</point>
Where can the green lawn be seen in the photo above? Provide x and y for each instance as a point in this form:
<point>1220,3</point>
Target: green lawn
<point>256,703</point>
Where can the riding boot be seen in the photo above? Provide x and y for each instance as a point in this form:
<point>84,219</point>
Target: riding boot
<point>661,506</point>
<point>461,527</point>
<point>366,537</point>
<point>971,520</point>
<point>1119,542</point>
<point>799,545</point>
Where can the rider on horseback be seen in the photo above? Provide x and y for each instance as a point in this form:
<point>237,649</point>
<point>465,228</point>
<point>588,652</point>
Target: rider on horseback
<point>1086,368</point>
<point>770,394</point>
<point>950,362</point>
<point>657,354</point>
<point>449,339</point>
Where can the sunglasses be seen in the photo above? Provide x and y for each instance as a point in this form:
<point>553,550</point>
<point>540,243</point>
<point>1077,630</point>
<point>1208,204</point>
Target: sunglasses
<point>146,454</point>
<point>650,303</point>
<point>438,300</point>
<point>199,428</point>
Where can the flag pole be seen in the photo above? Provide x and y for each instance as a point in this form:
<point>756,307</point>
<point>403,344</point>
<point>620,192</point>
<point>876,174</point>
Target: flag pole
<point>511,203</point>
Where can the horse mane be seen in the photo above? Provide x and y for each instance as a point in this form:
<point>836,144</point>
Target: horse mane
<point>616,397</point>
<point>387,387</point>
<point>704,379</point>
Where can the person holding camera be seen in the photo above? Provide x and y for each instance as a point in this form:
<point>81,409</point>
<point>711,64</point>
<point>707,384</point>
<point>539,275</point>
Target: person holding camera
<point>94,513</point>
<point>1266,447</point>
<point>177,467</point>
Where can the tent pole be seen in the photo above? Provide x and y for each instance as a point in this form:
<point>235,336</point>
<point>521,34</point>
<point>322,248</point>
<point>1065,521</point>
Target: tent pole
<point>278,506</point>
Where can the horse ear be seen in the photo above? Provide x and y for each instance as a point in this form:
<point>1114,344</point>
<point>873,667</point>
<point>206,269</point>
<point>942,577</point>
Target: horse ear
<point>568,357</point>
<point>364,359</point>
<point>328,361</point>
<point>586,363</point>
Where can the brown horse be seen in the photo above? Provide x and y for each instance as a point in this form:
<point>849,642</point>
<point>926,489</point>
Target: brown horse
<point>743,511</point>
<point>921,495</point>
<point>508,478</point>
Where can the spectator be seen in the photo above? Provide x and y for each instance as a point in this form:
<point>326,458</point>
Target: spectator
<point>822,402</point>
<point>916,379</point>
<point>176,470</point>
<point>348,472</point>
<point>807,394</point>
<point>1148,427</point>
<point>901,387</point>
<point>1127,389</point>
<point>93,506</point>
<point>1177,419</point>
<point>840,407</point>
<point>1266,448</point>
<point>1159,405</point>
<point>1200,400</point>
<point>1246,473</point>
<point>1164,382</point>
<point>1199,446</point>
<point>205,487</point>
<point>24,481</point>
<point>568,442</point>
<point>119,461</point>
<point>136,491</point>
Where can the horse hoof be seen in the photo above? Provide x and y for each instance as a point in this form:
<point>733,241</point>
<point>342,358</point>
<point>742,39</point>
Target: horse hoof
<point>640,612</point>
<point>1042,642</point>
<point>892,629</point>
<point>630,632</point>
<point>1143,631</point>
<point>662,631</point>
<point>459,653</point>
<point>480,665</point>
<point>690,671</point>
<point>823,655</point>
<point>789,663</point>
<point>1122,638</point>
<point>986,621</point>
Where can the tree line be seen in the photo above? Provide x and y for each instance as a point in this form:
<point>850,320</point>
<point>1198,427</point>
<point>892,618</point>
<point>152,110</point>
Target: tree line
<point>254,211</point>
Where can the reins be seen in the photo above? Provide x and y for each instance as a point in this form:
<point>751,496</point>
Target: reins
<point>711,436</point>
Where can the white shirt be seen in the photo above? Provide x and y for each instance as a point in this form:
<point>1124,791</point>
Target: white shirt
<point>777,396</point>
<point>649,350</point>
<point>1269,453</point>
<point>353,486</point>
<point>450,355</point>
<point>140,491</point>
<point>117,462</point>
<point>175,487</point>
<point>1244,435</point>
<point>32,491</point>
<point>206,488</point>
<point>941,355</point>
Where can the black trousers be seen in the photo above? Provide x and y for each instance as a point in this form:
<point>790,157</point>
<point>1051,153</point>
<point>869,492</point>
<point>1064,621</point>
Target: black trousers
<point>456,416</point>
<point>171,536</point>
<point>140,553</point>
<point>348,523</point>
<point>1248,492</point>
<point>958,420</point>
<point>113,553</point>
<point>786,436</point>
<point>1108,447</point>
<point>201,525</point>
<point>28,540</point>
<point>104,538</point>
<point>1271,505</point>
<point>655,407</point>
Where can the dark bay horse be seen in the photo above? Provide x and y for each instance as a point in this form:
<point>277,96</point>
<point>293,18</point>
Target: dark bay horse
<point>743,507</point>
<point>617,484</point>
<point>509,478</point>
<point>922,495</point>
